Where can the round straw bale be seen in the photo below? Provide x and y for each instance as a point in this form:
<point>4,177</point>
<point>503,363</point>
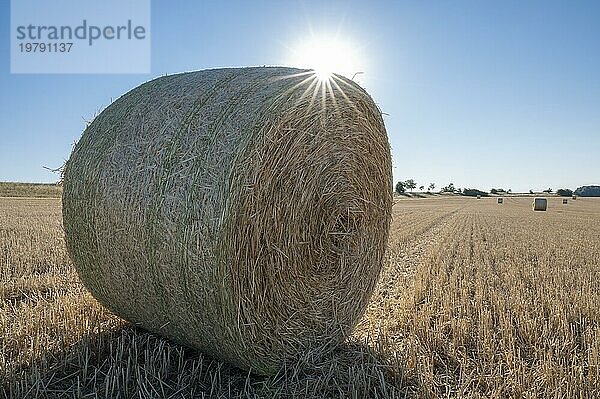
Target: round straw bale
<point>242,212</point>
<point>540,204</point>
<point>500,200</point>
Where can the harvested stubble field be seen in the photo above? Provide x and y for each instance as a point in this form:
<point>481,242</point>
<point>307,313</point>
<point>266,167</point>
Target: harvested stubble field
<point>478,300</point>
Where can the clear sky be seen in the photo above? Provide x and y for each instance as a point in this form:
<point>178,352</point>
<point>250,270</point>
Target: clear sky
<point>481,94</point>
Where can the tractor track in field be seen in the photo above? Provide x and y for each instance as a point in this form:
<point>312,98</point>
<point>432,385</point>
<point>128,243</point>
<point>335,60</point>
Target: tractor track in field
<point>405,254</point>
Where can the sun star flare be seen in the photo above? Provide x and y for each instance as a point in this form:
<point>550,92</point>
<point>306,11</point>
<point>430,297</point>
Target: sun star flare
<point>327,55</point>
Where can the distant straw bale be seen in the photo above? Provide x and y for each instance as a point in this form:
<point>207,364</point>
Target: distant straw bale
<point>540,204</point>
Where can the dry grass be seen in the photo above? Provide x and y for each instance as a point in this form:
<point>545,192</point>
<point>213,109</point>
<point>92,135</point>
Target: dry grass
<point>478,301</point>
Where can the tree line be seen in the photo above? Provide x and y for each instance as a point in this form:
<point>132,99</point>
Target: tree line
<point>410,184</point>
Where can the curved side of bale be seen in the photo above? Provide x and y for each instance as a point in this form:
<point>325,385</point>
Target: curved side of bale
<point>540,204</point>
<point>243,212</point>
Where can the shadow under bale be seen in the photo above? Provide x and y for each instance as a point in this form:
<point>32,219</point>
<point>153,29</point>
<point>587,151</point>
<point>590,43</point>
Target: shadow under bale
<point>130,362</point>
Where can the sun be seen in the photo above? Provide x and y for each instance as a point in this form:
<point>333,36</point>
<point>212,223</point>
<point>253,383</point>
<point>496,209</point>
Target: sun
<point>327,55</point>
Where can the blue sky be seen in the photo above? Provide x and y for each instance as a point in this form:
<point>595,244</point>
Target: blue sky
<point>481,94</point>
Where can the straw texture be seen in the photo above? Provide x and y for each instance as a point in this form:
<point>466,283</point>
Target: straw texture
<point>242,212</point>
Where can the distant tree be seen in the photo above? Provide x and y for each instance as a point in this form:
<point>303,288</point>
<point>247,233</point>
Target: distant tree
<point>472,192</point>
<point>588,191</point>
<point>549,190</point>
<point>431,186</point>
<point>494,191</point>
<point>410,184</point>
<point>400,189</point>
<point>530,191</point>
<point>509,190</point>
<point>421,188</point>
<point>449,188</point>
<point>564,192</point>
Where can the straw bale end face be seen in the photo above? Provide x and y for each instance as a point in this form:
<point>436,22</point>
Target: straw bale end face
<point>242,212</point>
